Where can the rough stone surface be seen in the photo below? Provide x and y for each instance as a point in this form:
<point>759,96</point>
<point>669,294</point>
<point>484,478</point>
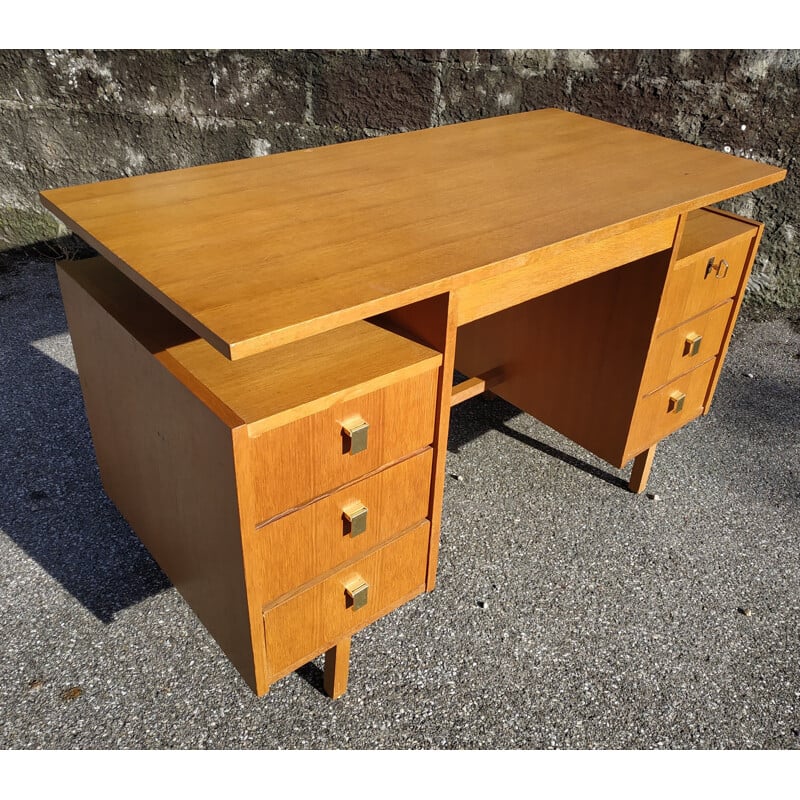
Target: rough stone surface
<point>75,116</point>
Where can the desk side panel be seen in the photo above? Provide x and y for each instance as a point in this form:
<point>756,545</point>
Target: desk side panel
<point>167,463</point>
<point>433,322</point>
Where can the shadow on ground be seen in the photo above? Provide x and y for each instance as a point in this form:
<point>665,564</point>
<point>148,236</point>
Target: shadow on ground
<point>52,504</point>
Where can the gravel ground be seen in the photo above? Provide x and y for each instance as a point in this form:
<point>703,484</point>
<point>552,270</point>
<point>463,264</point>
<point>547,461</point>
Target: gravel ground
<point>568,612</point>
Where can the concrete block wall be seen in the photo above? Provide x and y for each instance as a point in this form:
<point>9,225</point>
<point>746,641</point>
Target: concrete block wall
<point>77,116</point>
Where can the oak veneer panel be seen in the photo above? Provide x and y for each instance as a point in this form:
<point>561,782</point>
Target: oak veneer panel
<point>433,322</point>
<point>305,544</point>
<point>312,621</point>
<point>560,266</point>
<point>691,291</point>
<point>669,355</point>
<point>176,456</point>
<point>291,465</point>
<point>166,460</point>
<point>255,253</point>
<point>737,301</point>
<point>653,419</point>
<point>269,389</point>
<point>574,358</point>
<point>708,227</point>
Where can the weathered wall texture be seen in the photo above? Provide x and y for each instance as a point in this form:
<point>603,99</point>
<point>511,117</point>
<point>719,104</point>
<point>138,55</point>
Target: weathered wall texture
<point>79,116</point>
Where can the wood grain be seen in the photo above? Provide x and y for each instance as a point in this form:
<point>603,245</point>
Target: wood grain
<point>706,228</point>
<point>433,322</point>
<point>253,254</point>
<point>308,543</point>
<point>574,358</point>
<point>640,473</point>
<point>292,465</point>
<point>337,668</point>
<point>166,460</point>
<point>737,303</point>
<point>653,420</point>
<point>669,356</point>
<point>315,620</point>
<point>561,265</point>
<point>690,289</point>
<point>269,389</point>
<point>466,390</point>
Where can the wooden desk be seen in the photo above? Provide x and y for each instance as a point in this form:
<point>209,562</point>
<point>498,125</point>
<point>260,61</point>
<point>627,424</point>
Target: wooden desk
<point>266,347</point>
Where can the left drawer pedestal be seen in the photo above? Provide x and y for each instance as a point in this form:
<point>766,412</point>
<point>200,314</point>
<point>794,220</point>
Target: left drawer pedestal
<point>242,477</point>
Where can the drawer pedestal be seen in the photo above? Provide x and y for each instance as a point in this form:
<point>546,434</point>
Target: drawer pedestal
<point>265,488</point>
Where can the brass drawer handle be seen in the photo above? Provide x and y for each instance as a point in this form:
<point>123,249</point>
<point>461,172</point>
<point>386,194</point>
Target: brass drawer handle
<point>355,519</point>
<point>720,268</point>
<point>356,430</point>
<point>692,345</point>
<point>356,592</point>
<point>676,401</point>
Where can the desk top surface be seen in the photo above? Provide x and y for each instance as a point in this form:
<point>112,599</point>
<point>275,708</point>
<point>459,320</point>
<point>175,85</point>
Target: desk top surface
<point>259,252</point>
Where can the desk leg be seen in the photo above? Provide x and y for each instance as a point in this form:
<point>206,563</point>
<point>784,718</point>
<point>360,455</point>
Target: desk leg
<point>641,470</point>
<point>337,667</point>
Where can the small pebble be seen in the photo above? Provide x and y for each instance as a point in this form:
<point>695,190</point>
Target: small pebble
<point>483,603</point>
<point>749,375</point>
<point>459,477</point>
<point>654,496</point>
<point>746,611</point>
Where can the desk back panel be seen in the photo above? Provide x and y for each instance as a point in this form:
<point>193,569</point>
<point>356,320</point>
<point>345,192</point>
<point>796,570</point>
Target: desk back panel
<point>574,358</point>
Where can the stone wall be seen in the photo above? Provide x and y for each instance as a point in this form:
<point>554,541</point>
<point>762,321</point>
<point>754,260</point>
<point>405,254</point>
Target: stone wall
<point>76,116</point>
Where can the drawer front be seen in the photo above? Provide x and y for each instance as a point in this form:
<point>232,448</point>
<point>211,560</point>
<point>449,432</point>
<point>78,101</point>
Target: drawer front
<point>678,350</point>
<point>703,280</point>
<point>662,412</point>
<point>297,548</point>
<point>307,624</point>
<point>291,465</point>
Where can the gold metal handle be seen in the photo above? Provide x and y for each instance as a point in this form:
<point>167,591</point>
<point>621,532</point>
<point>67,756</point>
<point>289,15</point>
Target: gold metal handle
<point>356,592</point>
<point>355,519</point>
<point>721,268</point>
<point>676,401</point>
<point>356,430</point>
<point>692,345</point>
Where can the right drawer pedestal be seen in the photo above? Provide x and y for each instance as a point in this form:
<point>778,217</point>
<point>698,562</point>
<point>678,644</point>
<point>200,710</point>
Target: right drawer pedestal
<point>702,296</point>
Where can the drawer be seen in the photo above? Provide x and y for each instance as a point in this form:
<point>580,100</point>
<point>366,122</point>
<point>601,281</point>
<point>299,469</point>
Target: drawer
<point>658,414</point>
<point>309,623</point>
<point>678,350</point>
<point>703,280</point>
<point>302,460</point>
<point>298,547</point>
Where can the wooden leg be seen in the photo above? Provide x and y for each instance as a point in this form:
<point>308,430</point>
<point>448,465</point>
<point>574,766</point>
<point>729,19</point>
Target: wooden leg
<point>641,470</point>
<point>337,666</point>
